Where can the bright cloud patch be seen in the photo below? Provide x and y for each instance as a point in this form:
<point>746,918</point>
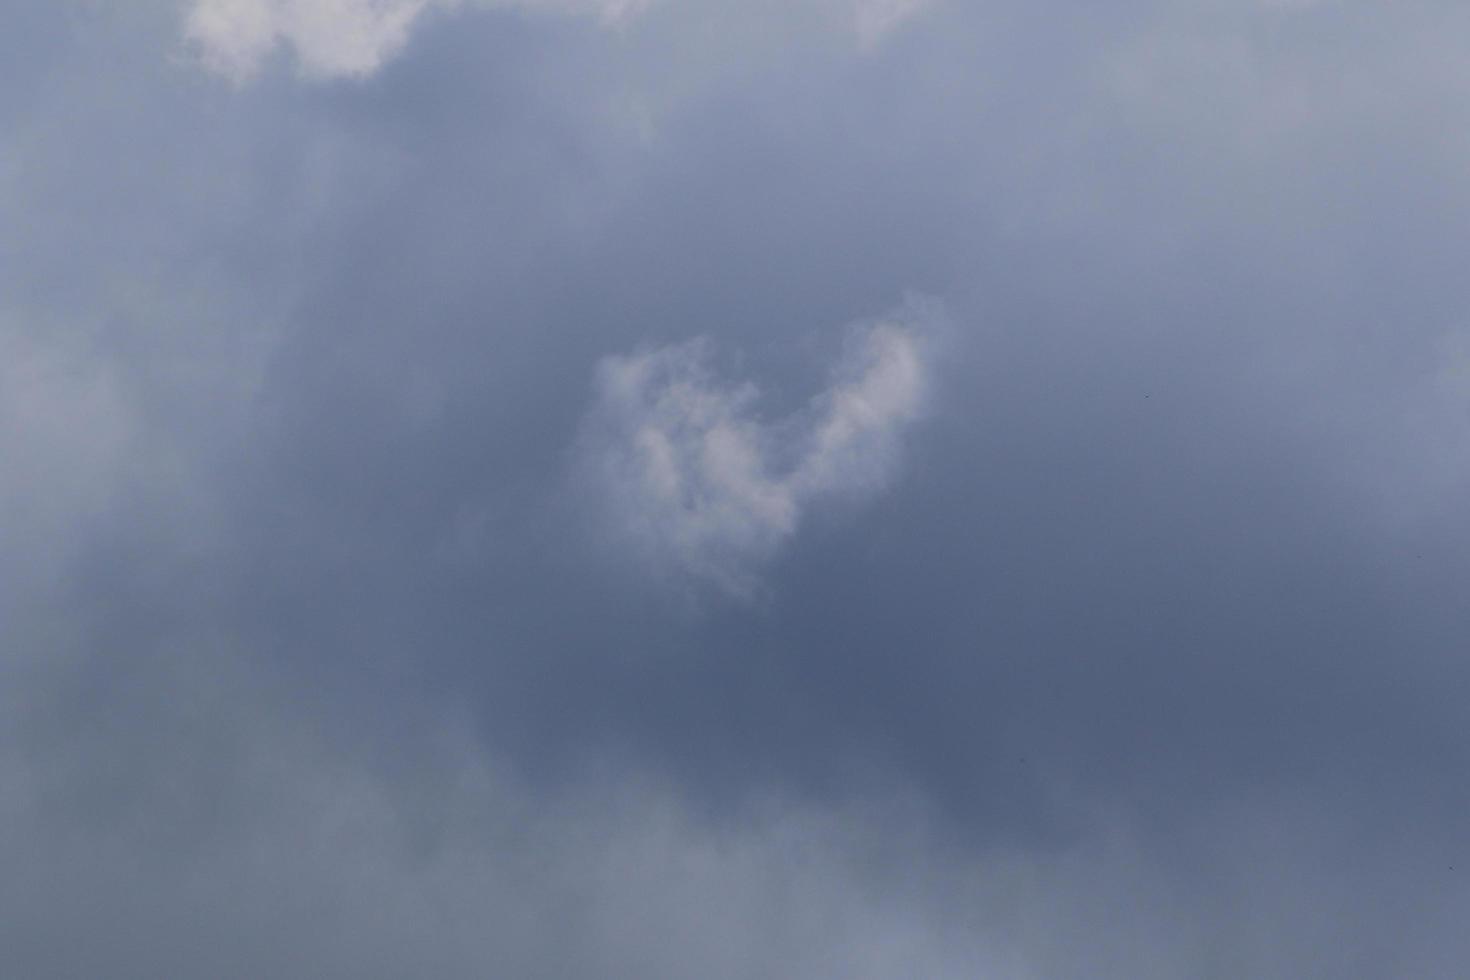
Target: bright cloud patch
<point>334,38</point>
<point>329,38</point>
<point>700,481</point>
<point>354,38</point>
<point>876,19</point>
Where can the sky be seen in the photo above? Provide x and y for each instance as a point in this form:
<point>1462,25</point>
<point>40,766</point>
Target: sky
<point>664,488</point>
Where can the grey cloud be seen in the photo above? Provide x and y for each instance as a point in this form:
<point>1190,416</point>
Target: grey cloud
<point>1146,661</point>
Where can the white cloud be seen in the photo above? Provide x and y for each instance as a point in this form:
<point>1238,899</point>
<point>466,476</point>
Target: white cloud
<point>698,480</point>
<point>328,37</point>
<point>354,38</point>
<point>874,20</point>
<point>334,38</point>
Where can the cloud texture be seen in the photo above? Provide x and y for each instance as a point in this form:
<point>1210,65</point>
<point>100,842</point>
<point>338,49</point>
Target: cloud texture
<point>328,37</point>
<point>353,38</point>
<point>465,510</point>
<point>696,477</point>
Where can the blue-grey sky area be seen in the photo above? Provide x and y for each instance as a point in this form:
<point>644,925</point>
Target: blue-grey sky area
<point>693,488</point>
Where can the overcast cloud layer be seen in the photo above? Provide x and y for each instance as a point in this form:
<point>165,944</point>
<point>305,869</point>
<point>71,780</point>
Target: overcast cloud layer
<point>832,488</point>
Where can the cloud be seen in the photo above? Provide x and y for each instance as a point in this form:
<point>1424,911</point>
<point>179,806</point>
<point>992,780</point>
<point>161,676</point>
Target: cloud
<point>194,796</point>
<point>875,20</point>
<point>329,38</point>
<point>354,38</point>
<point>1165,630</point>
<point>701,481</point>
<point>333,38</point>
<point>68,435</point>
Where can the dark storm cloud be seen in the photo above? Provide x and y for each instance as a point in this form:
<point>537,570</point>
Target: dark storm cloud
<point>1139,653</point>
